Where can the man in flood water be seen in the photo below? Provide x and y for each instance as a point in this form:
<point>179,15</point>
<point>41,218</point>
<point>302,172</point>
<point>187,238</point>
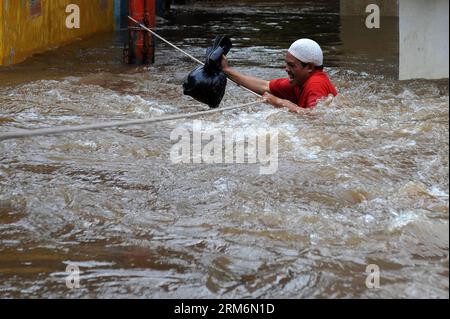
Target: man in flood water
<point>307,83</point>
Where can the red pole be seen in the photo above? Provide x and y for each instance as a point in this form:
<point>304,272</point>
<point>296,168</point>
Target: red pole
<point>149,22</point>
<point>141,44</point>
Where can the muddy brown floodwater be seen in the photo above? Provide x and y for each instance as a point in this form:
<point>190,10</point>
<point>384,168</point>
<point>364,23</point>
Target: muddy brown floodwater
<point>361,180</point>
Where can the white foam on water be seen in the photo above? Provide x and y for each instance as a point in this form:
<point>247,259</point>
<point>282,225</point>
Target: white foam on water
<point>403,219</point>
<point>435,191</point>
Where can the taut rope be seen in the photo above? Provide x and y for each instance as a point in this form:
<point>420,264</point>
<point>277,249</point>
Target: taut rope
<point>184,52</point>
<point>65,129</point>
<point>96,126</point>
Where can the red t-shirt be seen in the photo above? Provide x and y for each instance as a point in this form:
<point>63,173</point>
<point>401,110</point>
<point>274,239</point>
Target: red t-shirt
<point>317,86</point>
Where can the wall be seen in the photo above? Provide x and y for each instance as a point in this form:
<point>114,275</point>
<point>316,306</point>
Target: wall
<point>33,26</point>
<point>1,32</point>
<point>121,14</point>
<point>376,46</point>
<point>424,39</point>
<point>388,8</point>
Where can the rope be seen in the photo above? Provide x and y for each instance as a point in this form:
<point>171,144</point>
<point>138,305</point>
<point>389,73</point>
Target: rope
<point>97,126</point>
<point>187,54</point>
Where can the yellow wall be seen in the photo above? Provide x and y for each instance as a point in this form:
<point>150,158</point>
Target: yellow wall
<point>22,35</point>
<point>1,31</point>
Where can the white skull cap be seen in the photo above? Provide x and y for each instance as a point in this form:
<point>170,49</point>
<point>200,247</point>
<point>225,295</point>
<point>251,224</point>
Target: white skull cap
<point>307,51</point>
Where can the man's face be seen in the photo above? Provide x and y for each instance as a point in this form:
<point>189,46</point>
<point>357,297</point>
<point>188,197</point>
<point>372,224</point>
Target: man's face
<point>298,73</point>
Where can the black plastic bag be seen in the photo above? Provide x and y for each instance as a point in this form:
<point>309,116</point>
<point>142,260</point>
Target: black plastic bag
<point>207,83</point>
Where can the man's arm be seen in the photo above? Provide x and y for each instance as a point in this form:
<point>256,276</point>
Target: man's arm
<point>259,86</point>
<point>256,85</point>
<point>277,102</point>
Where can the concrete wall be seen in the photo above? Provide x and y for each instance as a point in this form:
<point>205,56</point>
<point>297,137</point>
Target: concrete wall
<point>424,39</point>
<point>388,8</point>
<point>26,29</point>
